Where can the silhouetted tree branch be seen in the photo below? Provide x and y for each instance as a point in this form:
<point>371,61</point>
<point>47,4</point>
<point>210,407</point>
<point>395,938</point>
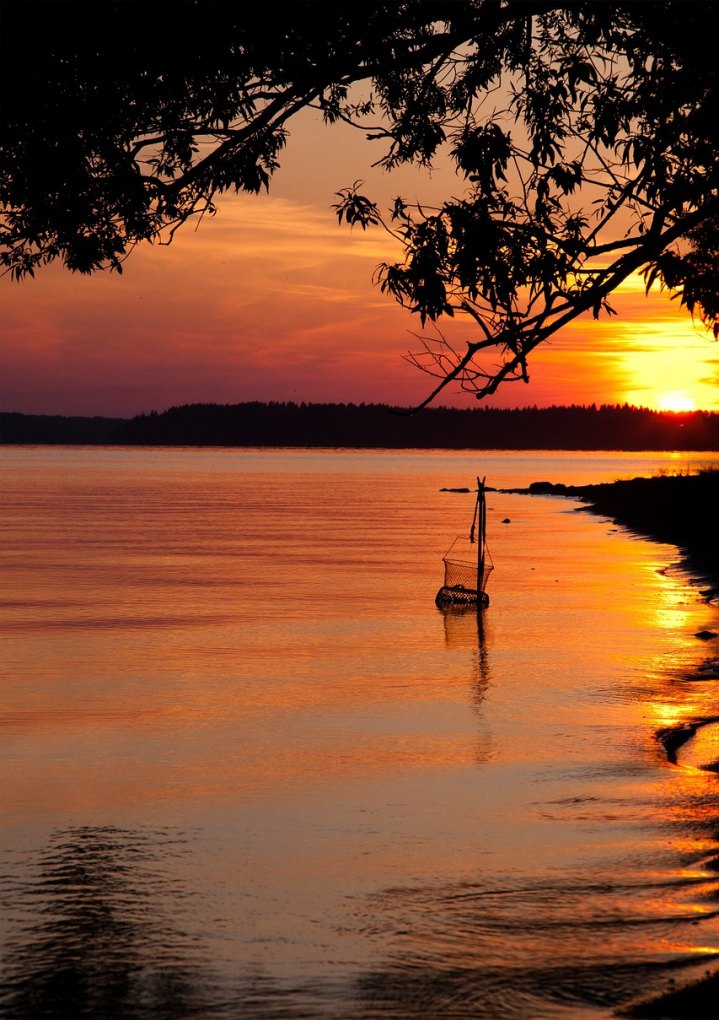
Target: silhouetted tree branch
<point>584,135</point>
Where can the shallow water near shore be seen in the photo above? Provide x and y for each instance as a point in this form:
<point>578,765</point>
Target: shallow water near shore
<point>250,769</point>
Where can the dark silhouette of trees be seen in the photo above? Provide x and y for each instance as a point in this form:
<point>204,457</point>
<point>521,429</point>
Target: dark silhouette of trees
<point>609,427</point>
<point>584,135</point>
<point>122,120</point>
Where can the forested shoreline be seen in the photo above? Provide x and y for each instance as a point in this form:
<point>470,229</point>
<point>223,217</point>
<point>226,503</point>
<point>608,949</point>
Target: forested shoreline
<point>287,424</point>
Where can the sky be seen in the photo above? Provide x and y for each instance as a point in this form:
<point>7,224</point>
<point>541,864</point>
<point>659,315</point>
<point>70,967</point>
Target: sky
<point>271,299</point>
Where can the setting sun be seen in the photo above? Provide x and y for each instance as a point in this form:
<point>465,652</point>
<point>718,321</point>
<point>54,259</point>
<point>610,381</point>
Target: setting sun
<point>677,401</point>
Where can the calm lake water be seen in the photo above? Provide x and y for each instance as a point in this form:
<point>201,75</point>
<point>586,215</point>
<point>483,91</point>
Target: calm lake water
<point>250,770</point>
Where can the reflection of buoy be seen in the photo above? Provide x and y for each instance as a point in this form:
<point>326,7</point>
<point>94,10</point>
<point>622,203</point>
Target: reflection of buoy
<point>506,521</point>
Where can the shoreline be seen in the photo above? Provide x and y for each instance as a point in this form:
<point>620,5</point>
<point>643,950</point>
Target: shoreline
<point>678,510</point>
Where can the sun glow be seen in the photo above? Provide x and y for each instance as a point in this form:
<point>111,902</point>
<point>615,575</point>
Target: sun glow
<point>677,401</point>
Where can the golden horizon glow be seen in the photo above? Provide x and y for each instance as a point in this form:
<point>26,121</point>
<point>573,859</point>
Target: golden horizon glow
<point>651,354</point>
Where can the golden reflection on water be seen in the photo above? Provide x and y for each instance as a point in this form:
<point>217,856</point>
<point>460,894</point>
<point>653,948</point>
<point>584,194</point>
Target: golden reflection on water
<point>686,698</point>
<point>388,810</point>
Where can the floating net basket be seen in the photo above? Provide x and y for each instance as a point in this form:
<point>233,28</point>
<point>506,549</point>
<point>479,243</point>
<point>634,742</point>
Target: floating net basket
<point>460,575</point>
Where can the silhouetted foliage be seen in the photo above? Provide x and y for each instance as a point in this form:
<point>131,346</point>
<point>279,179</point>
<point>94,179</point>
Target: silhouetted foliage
<point>584,135</point>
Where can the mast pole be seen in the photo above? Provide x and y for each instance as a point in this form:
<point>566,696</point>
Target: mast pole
<point>481,534</point>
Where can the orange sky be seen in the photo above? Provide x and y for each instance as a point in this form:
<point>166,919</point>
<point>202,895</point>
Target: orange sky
<point>272,300</point>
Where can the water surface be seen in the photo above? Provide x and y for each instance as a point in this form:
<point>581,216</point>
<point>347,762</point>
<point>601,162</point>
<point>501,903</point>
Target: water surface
<point>250,769</point>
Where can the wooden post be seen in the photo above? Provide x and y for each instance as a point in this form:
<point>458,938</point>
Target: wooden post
<point>481,534</point>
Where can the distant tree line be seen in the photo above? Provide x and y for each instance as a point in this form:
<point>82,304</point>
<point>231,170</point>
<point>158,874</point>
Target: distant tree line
<point>58,429</point>
<point>575,427</point>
